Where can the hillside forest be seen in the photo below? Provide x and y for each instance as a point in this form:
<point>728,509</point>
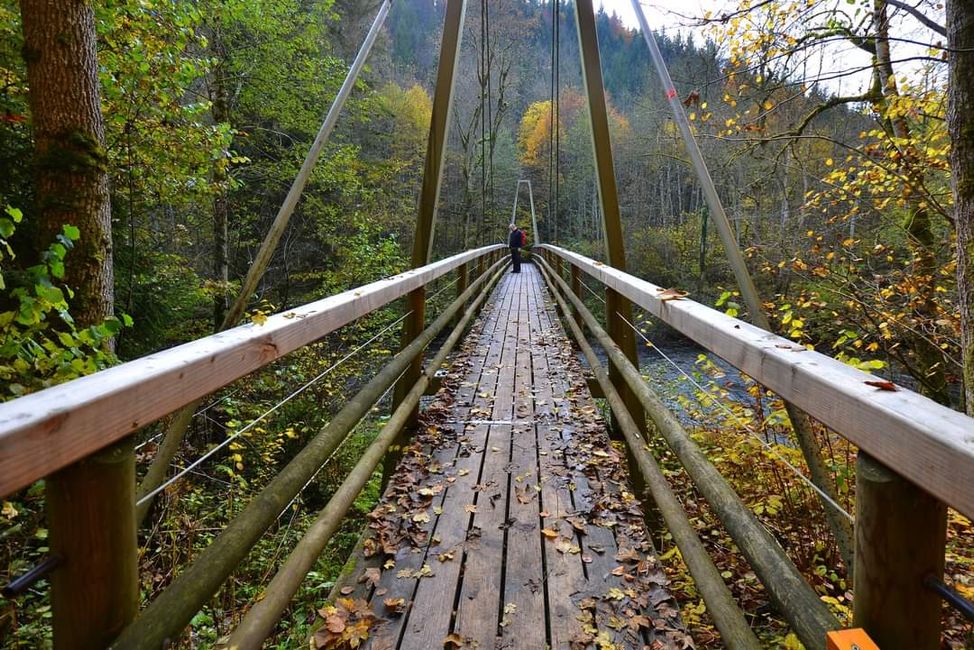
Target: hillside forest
<point>826,127</point>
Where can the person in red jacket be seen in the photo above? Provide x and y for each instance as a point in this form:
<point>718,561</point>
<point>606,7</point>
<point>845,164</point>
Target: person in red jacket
<point>516,241</point>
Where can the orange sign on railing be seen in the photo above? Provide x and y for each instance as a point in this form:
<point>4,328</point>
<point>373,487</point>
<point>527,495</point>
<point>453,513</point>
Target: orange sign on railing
<point>854,639</point>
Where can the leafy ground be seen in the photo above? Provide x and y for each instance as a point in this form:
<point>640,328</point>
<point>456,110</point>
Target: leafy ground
<point>784,503</point>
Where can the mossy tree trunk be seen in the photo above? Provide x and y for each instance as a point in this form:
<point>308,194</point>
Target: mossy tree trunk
<point>69,134</point>
<point>90,505</point>
<point>960,120</point>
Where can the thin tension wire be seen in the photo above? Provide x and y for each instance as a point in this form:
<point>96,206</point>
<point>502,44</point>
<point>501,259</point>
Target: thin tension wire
<point>148,497</point>
<point>340,446</point>
<point>740,422</point>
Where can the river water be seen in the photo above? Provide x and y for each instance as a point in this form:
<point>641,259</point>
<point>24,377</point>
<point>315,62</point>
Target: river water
<point>667,375</point>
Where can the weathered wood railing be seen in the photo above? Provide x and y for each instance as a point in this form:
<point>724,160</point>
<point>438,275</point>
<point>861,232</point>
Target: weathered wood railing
<point>916,458</point>
<point>45,432</point>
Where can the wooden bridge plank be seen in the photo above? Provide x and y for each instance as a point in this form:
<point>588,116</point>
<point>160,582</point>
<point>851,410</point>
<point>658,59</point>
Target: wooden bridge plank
<point>479,604</point>
<point>511,586</point>
<point>452,522</point>
<point>599,488</point>
<point>523,625</point>
<point>597,544</point>
<point>432,613</point>
<point>565,576</point>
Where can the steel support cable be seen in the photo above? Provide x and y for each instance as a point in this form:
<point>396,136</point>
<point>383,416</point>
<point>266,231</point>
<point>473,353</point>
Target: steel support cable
<point>172,610</point>
<point>439,291</point>
<point>490,105</point>
<point>483,112</point>
<point>789,591</point>
<point>263,416</point>
<point>821,493</point>
<point>826,497</point>
<point>180,422</point>
<point>198,413</point>
<point>800,421</point>
<point>551,125</point>
<point>557,110</point>
<point>593,292</point>
<point>341,446</point>
<point>260,620</point>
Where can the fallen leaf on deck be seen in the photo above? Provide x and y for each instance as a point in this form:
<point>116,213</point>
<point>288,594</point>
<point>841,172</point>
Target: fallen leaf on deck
<point>395,605</point>
<point>616,594</point>
<point>371,576</point>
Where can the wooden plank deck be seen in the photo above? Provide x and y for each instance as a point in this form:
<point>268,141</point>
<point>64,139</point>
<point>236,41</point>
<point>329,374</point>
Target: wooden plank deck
<point>510,522</point>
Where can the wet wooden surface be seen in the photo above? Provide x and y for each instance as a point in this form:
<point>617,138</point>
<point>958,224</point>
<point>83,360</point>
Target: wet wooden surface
<point>510,522</point>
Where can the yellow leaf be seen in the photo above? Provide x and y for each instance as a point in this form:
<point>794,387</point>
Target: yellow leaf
<point>9,511</point>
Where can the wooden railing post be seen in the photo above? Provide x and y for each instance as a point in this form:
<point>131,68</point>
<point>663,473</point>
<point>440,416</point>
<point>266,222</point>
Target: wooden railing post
<point>558,268</point>
<point>91,520</point>
<point>901,534</point>
<point>461,287</point>
<point>577,290</point>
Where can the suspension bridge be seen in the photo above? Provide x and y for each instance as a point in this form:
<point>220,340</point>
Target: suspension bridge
<point>512,514</point>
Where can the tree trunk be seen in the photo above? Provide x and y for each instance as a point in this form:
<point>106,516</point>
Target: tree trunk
<point>930,370</point>
<point>960,120</point>
<point>91,504</point>
<point>69,134</point>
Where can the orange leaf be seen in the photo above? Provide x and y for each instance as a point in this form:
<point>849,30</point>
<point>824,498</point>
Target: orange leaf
<point>882,385</point>
<point>672,294</point>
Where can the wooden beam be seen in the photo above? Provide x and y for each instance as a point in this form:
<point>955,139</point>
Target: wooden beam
<point>45,431</point>
<point>429,195</point>
<point>91,514</point>
<point>901,535</point>
<point>166,616</point>
<point>929,444</point>
<point>617,308</point>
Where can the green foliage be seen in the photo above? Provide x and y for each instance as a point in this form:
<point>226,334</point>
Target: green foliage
<point>40,343</point>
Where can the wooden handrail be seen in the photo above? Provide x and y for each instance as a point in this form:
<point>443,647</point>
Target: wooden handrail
<point>48,430</point>
<point>167,615</point>
<point>927,443</point>
<point>788,590</point>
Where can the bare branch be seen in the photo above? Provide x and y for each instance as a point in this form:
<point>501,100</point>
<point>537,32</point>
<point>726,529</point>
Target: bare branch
<point>913,11</point>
